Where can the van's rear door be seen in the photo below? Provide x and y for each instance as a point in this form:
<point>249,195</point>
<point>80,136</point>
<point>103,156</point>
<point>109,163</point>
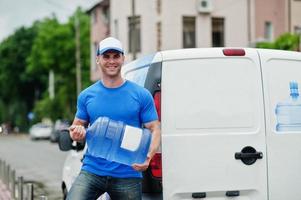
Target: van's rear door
<point>284,126</point>
<point>213,132</point>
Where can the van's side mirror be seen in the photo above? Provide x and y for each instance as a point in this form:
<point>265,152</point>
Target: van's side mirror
<point>66,143</point>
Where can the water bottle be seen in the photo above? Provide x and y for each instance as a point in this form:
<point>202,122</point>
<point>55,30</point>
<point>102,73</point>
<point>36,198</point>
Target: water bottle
<point>288,113</point>
<point>118,142</point>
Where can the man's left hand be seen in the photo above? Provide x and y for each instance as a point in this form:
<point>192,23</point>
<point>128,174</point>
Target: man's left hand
<point>143,166</point>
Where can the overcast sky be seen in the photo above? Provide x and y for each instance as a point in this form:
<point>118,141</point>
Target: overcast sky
<point>17,13</point>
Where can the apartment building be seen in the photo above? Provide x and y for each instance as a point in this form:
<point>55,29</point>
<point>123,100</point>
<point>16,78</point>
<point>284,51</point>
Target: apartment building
<point>275,17</point>
<point>173,24</point>
<point>100,29</point>
<point>295,19</point>
<point>147,26</point>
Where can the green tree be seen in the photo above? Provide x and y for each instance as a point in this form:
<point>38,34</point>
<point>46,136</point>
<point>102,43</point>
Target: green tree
<point>17,91</point>
<point>25,60</point>
<point>286,41</point>
<point>54,49</point>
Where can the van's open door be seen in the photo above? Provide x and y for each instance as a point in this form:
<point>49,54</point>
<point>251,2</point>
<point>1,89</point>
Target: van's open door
<point>283,120</point>
<point>213,129</point>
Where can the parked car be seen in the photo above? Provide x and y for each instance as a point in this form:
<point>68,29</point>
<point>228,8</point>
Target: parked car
<point>40,131</point>
<point>59,125</point>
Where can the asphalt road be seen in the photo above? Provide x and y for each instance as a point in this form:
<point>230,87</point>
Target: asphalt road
<point>37,161</point>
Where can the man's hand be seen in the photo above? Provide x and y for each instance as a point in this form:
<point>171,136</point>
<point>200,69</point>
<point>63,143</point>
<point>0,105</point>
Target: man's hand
<point>143,166</point>
<point>77,132</point>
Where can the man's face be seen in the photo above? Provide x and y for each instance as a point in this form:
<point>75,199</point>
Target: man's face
<point>110,63</point>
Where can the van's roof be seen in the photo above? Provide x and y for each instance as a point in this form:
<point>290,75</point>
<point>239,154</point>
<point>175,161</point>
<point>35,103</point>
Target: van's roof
<point>194,53</point>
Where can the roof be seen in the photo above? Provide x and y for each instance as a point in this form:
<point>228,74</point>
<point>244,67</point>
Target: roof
<point>101,3</point>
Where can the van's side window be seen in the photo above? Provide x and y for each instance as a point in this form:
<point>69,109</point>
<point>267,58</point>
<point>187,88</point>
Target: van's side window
<point>138,75</point>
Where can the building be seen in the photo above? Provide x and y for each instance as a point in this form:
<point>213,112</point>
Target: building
<point>275,17</point>
<point>295,19</point>
<point>173,24</point>
<point>100,20</point>
<point>145,27</point>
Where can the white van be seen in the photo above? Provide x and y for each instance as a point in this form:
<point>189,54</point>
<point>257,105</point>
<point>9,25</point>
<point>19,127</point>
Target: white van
<point>230,128</point>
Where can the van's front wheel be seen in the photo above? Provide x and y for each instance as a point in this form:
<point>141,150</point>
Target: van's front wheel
<point>65,191</point>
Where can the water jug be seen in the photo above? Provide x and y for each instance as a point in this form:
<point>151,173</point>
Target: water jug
<point>288,113</point>
<point>118,142</point>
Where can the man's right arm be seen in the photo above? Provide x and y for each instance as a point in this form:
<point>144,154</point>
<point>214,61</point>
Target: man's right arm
<point>77,129</point>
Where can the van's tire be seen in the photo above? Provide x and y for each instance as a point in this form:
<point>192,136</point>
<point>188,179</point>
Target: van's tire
<point>65,191</point>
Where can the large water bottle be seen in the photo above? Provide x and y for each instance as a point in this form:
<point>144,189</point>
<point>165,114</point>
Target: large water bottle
<point>288,113</point>
<point>118,142</point>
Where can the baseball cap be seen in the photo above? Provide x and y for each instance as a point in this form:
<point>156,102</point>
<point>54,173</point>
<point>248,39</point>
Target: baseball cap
<point>109,43</point>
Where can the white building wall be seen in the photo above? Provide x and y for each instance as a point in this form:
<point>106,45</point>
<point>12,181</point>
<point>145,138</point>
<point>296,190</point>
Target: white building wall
<point>234,13</point>
<point>236,20</point>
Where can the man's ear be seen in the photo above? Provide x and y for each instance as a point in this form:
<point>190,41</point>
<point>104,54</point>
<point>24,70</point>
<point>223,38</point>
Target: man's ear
<point>97,60</point>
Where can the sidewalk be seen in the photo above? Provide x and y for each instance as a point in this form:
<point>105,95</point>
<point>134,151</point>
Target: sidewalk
<point>4,193</point>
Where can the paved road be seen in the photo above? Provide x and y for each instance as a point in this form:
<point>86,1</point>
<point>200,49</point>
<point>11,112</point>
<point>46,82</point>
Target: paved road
<point>38,161</point>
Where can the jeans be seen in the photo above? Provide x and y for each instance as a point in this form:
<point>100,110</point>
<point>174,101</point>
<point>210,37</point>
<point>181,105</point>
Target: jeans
<point>88,186</point>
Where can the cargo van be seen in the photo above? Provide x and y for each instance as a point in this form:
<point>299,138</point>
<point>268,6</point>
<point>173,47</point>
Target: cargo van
<point>230,122</point>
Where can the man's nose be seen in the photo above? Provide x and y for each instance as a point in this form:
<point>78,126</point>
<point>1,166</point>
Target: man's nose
<point>111,60</point>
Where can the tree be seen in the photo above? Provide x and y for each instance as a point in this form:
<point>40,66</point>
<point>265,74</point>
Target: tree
<point>25,60</point>
<point>286,41</point>
<point>54,49</point>
<point>16,91</point>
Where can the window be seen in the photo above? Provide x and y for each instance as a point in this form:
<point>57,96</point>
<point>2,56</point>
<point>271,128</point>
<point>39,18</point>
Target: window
<point>116,28</point>
<point>218,32</point>
<point>134,34</point>
<point>159,35</point>
<point>138,76</point>
<point>189,32</point>
<point>159,3</point>
<point>297,30</point>
<point>268,31</point>
<point>105,17</point>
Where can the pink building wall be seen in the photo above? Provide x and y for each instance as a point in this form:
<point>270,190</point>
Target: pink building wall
<point>99,30</point>
<point>274,11</point>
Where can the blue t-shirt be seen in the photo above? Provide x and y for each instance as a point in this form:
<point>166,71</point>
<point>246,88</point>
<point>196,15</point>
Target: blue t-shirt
<point>129,103</point>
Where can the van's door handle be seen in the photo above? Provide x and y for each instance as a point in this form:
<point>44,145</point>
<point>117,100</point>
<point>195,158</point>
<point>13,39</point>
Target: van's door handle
<point>248,155</point>
<point>198,195</point>
<point>257,155</point>
<point>232,193</point>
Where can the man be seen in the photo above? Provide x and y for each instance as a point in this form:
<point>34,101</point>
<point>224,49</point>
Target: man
<point>121,100</point>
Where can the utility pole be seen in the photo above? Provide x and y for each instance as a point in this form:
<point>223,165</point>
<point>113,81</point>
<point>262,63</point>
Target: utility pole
<point>51,84</point>
<point>77,55</point>
<point>133,32</point>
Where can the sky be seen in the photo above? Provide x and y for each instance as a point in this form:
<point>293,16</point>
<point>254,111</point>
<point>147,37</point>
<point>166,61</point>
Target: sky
<point>17,13</point>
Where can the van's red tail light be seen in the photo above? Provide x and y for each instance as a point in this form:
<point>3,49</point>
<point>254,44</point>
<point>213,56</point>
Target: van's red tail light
<point>157,99</point>
<point>156,165</point>
<point>234,52</point>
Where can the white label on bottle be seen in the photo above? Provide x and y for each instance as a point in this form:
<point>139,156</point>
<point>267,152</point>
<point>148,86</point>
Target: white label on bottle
<point>131,138</point>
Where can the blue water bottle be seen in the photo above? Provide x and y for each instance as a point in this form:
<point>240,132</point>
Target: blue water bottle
<point>115,141</point>
<point>288,113</point>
